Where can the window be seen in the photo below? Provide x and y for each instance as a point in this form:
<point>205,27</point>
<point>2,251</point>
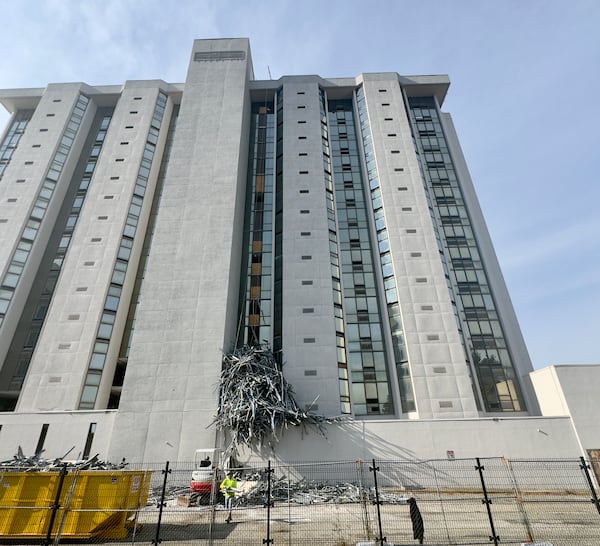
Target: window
<point>402,188</point>
<point>304,211</point>
<point>395,151</point>
<point>398,169</point>
<point>302,154</point>
<point>42,438</point>
<point>49,115</point>
<point>114,178</point>
<point>307,257</point>
<point>303,172</point>
<point>307,283</point>
<point>90,438</point>
<point>305,234</point>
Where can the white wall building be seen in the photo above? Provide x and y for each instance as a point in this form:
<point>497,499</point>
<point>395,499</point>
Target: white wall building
<point>146,228</point>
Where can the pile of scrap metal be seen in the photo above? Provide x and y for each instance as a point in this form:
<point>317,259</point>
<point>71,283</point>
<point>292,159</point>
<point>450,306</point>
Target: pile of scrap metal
<point>35,463</point>
<point>312,492</point>
<point>256,402</point>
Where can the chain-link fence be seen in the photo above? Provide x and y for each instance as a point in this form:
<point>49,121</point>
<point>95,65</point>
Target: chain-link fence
<point>456,502</point>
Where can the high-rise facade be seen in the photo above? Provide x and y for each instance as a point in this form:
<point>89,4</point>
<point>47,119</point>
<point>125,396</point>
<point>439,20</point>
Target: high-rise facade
<point>146,228</point>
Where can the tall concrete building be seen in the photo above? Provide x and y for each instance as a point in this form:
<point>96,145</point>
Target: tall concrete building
<point>147,228</point>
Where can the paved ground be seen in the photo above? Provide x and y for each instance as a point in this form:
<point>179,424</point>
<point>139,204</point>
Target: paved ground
<point>457,519</point>
<point>453,520</point>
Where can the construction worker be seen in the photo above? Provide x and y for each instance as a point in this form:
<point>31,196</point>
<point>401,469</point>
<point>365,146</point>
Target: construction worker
<point>229,488</point>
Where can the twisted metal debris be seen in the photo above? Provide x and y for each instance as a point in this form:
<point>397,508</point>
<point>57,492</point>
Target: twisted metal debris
<point>35,463</point>
<point>256,402</point>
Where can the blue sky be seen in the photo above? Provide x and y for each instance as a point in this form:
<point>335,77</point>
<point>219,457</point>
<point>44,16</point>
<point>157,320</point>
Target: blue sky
<point>524,75</point>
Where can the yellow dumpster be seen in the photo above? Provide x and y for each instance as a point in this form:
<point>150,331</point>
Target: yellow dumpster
<point>93,503</point>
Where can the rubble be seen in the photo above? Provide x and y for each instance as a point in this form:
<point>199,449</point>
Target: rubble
<point>35,463</point>
<point>314,492</point>
<point>256,402</point>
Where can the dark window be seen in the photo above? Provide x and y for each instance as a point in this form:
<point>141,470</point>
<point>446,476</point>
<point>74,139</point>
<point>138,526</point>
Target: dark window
<point>42,439</point>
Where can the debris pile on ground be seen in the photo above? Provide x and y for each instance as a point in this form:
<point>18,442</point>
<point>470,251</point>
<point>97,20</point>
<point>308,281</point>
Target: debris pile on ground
<point>256,402</point>
<point>313,492</point>
<point>35,463</point>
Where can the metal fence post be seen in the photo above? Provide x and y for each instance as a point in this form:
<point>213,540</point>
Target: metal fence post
<point>487,501</point>
<point>586,470</point>
<point>364,497</point>
<point>56,505</point>
<point>268,504</point>
<point>377,503</point>
<point>161,504</point>
<point>519,498</point>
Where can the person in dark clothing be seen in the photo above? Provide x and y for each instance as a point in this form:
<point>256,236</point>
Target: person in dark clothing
<point>417,520</point>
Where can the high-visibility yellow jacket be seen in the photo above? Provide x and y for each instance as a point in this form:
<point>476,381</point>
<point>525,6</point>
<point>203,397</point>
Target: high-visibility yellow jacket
<point>228,486</point>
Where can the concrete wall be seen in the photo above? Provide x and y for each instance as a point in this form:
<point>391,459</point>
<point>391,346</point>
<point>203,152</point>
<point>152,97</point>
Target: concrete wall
<point>571,390</point>
<point>309,338</point>
<point>66,430</point>
<point>56,374</point>
<point>45,130</point>
<point>187,309</point>
<point>411,440</point>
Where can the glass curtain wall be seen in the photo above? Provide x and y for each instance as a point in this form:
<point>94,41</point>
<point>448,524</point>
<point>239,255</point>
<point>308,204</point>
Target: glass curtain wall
<point>256,317</point>
<point>485,339</point>
<point>365,351</point>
